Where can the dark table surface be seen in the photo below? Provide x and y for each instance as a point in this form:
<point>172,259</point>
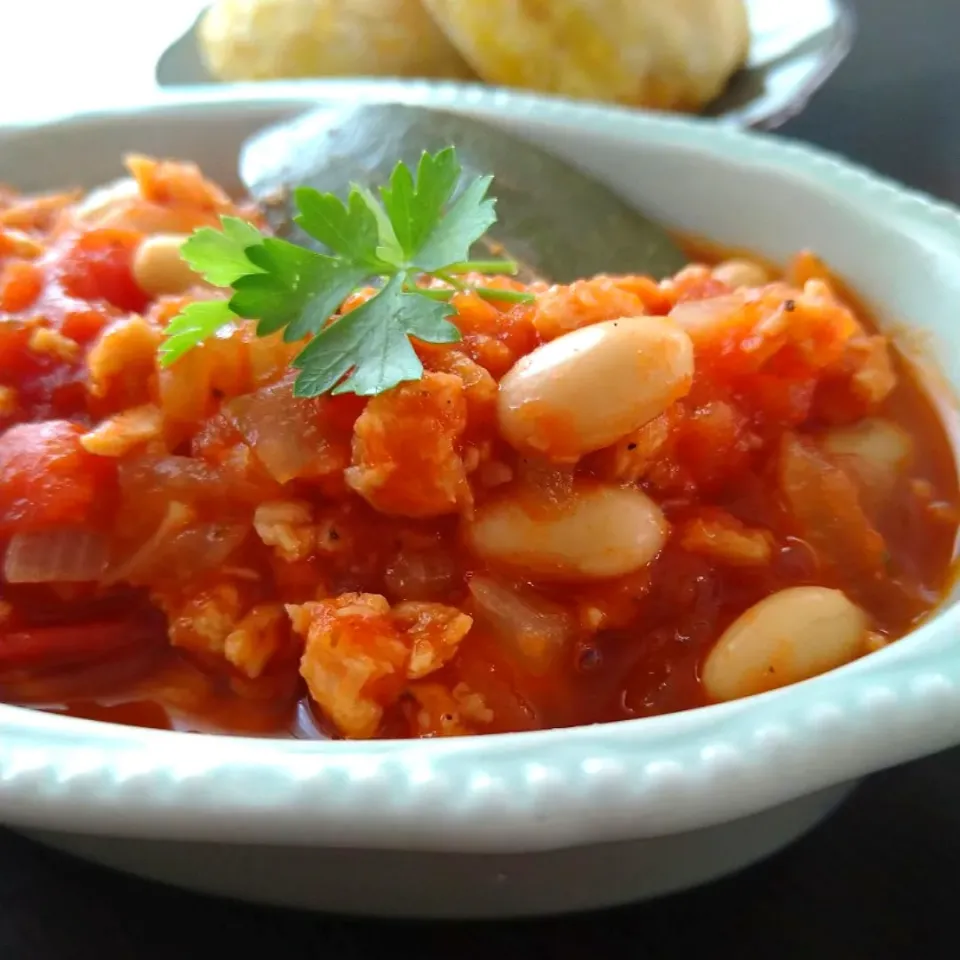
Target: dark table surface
<point>877,881</point>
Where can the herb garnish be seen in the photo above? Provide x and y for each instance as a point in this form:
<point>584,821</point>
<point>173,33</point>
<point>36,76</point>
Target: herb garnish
<point>407,234</point>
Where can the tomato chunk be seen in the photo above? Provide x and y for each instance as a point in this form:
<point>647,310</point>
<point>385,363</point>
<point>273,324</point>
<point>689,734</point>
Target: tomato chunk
<point>47,478</point>
<point>97,267</point>
<point>15,353</point>
<point>20,284</point>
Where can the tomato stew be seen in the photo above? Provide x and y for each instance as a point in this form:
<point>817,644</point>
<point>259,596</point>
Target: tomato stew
<point>626,498</point>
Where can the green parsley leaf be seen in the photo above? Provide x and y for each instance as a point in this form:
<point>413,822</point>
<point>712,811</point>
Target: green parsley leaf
<point>196,323</point>
<point>429,239</point>
<point>389,250</point>
<point>351,230</point>
<point>368,350</point>
<point>221,256</point>
<point>416,208</point>
<point>283,286</point>
<point>298,290</point>
<point>466,222</point>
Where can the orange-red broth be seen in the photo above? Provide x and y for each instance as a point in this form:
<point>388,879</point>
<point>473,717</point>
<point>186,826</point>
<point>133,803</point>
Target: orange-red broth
<point>220,435</point>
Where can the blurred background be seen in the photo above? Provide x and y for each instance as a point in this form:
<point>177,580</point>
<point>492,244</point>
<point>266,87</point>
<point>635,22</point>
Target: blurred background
<point>747,61</point>
<point>873,79</point>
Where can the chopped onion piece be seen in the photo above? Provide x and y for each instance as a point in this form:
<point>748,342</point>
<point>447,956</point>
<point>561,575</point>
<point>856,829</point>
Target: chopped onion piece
<point>699,317</point>
<point>533,629</point>
<point>286,433</point>
<point>205,546</point>
<point>420,574</point>
<point>874,452</point>
<point>70,555</point>
<point>178,515</point>
<point>827,510</point>
<point>182,546</point>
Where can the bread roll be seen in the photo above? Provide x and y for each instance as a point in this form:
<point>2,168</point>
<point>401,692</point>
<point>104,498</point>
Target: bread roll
<point>280,39</point>
<point>666,54</point>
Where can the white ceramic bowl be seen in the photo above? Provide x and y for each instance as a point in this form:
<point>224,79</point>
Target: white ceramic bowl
<point>536,822</point>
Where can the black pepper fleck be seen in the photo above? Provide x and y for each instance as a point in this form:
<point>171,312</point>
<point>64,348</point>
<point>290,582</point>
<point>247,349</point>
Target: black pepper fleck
<point>789,305</point>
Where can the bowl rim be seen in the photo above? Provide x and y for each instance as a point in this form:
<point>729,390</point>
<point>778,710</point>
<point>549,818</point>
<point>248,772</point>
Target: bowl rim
<point>511,792</point>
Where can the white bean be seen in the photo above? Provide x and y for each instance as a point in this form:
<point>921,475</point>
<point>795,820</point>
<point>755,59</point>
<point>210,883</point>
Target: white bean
<point>97,203</point>
<point>592,386</point>
<point>790,636</point>
<point>159,269</point>
<point>741,273</point>
<point>598,532</point>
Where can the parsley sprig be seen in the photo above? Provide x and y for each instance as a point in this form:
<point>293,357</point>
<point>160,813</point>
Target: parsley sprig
<point>412,231</point>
